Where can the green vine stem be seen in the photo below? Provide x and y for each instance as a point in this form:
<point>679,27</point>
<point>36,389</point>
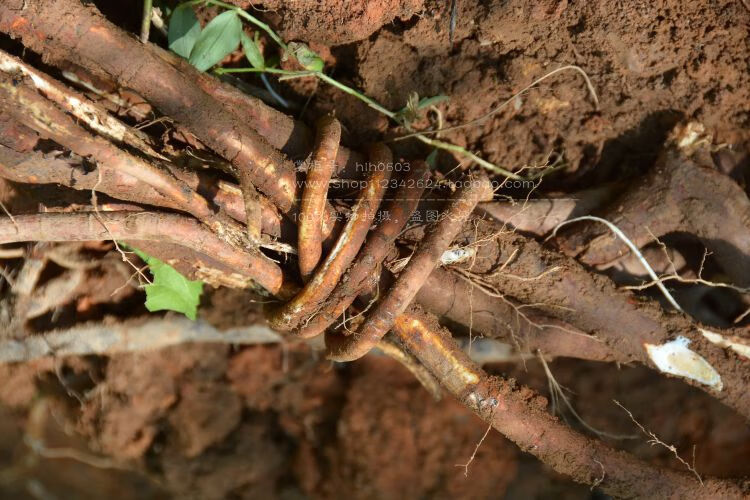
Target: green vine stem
<point>446,146</point>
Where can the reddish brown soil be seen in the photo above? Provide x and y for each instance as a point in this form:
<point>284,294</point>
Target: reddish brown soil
<point>266,422</point>
<point>211,423</point>
<point>651,63</point>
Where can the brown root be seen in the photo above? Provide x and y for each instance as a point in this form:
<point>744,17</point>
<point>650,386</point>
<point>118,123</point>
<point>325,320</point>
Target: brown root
<point>314,195</point>
<point>147,226</point>
<point>518,413</point>
<point>682,193</point>
<point>327,275</point>
<point>520,268</point>
<point>379,242</point>
<point>424,260</point>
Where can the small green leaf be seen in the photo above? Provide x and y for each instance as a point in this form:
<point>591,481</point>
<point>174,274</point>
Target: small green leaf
<point>184,30</point>
<point>426,102</point>
<point>306,57</point>
<point>414,105</point>
<point>170,290</point>
<point>220,37</point>
<point>252,51</point>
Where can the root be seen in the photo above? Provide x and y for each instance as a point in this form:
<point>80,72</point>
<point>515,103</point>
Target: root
<point>170,88</point>
<point>319,172</point>
<point>540,216</point>
<point>29,108</point>
<point>518,414</point>
<point>376,247</point>
<point>491,317</point>
<point>653,440</point>
<point>682,185</point>
<point>632,248</point>
<point>507,278</point>
<point>327,275</point>
<point>84,110</point>
<point>411,279</point>
<point>626,326</point>
<point>237,265</point>
<point>107,340</point>
<point>474,453</point>
<point>557,395</point>
<point>394,351</point>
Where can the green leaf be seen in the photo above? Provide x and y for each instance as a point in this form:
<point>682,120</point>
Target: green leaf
<point>220,37</point>
<point>252,51</point>
<point>184,30</point>
<point>426,102</point>
<point>170,290</point>
<point>306,57</point>
<point>431,159</point>
<point>414,105</point>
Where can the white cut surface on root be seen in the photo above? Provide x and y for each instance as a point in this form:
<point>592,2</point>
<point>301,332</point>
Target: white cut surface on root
<point>675,358</point>
<point>734,343</point>
<point>456,255</point>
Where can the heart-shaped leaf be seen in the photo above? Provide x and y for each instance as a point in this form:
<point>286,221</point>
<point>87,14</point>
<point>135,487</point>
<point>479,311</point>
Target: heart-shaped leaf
<point>219,38</point>
<point>184,30</point>
<point>170,290</point>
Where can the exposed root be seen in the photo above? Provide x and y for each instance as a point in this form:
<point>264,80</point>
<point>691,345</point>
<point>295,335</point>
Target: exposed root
<point>557,395</point>
<point>529,331</point>
<point>319,172</point>
<point>375,250</point>
<point>394,351</point>
<point>129,226</point>
<point>618,232</point>
<point>33,110</point>
<point>674,276</point>
<point>668,199</point>
<point>411,279</point>
<point>70,171</point>
<point>540,216</point>
<point>474,453</point>
<point>152,335</point>
<point>160,83</point>
<point>519,415</point>
<point>576,297</point>
<point>327,275</point>
<point>653,440</point>
<point>84,110</point>
<point>506,277</point>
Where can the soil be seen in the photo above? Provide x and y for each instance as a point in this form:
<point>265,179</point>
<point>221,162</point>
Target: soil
<point>278,421</point>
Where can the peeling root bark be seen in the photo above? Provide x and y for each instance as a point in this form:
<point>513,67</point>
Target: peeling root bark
<point>87,112</point>
<point>41,115</point>
<point>519,414</point>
